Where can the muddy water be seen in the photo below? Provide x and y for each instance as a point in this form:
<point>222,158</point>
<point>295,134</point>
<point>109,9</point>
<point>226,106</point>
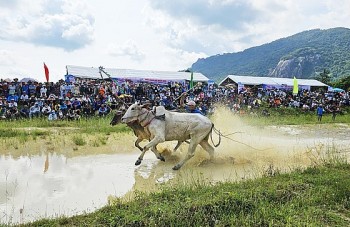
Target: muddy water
<point>55,177</point>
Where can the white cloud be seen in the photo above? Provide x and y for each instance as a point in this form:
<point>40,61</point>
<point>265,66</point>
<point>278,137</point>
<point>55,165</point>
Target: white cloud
<point>128,49</point>
<point>148,34</point>
<point>50,23</point>
<point>6,58</point>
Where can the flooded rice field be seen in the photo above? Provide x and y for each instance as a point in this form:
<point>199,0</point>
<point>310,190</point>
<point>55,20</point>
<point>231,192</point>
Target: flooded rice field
<point>54,177</point>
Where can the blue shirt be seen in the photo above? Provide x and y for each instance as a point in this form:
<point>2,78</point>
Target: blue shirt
<point>319,110</point>
<point>193,111</point>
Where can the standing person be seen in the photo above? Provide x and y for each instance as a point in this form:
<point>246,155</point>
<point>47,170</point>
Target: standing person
<point>335,110</point>
<point>319,111</point>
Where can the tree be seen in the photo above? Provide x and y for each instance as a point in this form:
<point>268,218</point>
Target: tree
<point>324,77</point>
<point>343,83</point>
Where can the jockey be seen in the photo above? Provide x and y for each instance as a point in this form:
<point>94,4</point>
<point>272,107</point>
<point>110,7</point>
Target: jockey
<point>191,107</point>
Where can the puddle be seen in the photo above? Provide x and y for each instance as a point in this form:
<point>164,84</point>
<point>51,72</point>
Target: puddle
<point>53,185</point>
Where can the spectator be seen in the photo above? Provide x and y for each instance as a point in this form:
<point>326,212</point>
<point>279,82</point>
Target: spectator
<point>24,98</point>
<point>13,113</point>
<point>334,110</point>
<point>52,116</point>
<point>2,111</point>
<point>63,107</point>
<point>34,110</point>
<point>76,104</point>
<point>12,104</point>
<point>43,91</point>
<point>24,112</point>
<point>87,110</point>
<point>46,110</point>
<point>103,110</point>
<point>319,111</point>
<point>191,107</point>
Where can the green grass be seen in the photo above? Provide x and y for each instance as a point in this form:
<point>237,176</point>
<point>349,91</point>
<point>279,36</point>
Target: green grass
<point>317,196</point>
<point>41,127</point>
<point>292,116</point>
<point>79,140</point>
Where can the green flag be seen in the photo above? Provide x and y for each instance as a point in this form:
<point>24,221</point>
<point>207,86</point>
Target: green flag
<point>295,86</point>
<point>191,81</point>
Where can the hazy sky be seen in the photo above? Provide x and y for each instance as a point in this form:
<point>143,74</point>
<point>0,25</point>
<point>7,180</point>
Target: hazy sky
<point>165,35</point>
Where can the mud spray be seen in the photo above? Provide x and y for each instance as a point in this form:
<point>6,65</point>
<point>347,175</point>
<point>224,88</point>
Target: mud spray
<point>247,152</point>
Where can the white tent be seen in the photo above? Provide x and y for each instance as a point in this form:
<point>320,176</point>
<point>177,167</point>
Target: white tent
<point>270,82</point>
<point>145,75</point>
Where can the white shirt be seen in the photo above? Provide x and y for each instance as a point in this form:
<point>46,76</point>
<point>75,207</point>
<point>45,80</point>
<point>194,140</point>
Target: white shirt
<point>46,109</point>
<point>24,97</point>
<point>43,91</point>
<point>52,116</point>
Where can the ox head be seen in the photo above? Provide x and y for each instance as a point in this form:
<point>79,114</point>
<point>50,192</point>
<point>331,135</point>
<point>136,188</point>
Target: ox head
<point>117,118</point>
<point>134,112</point>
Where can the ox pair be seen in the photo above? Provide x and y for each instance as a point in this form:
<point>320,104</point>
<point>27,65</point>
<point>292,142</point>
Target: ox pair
<point>175,127</point>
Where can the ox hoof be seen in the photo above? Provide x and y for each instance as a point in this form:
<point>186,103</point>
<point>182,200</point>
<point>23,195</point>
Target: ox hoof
<point>177,167</point>
<point>138,162</point>
<point>161,158</point>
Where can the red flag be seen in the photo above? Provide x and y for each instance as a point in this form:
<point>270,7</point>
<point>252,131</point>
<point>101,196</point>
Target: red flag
<point>46,72</point>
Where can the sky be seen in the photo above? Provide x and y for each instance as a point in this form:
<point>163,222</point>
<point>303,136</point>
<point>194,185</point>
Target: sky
<point>161,35</point>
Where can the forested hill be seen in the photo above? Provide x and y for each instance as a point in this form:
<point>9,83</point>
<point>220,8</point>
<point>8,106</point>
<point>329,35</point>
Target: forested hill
<point>303,55</point>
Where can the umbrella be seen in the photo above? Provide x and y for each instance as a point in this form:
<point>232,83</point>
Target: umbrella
<point>338,90</point>
<point>26,79</point>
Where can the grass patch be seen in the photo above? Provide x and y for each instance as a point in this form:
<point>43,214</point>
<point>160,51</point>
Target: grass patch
<point>79,140</point>
<point>40,127</point>
<point>293,116</point>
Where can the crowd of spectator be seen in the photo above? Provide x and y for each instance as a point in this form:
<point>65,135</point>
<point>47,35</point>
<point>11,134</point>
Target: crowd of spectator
<point>86,98</point>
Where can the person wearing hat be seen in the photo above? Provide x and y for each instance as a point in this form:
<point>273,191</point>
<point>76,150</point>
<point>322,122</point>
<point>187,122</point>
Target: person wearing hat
<point>34,110</point>
<point>191,107</point>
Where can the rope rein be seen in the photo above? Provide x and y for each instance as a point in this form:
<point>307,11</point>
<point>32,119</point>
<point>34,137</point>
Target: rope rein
<point>149,122</point>
<point>217,132</point>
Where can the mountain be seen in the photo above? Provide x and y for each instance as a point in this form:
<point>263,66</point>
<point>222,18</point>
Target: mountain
<point>303,55</point>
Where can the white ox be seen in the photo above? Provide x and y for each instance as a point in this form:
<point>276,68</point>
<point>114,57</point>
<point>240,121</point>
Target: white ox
<point>176,126</point>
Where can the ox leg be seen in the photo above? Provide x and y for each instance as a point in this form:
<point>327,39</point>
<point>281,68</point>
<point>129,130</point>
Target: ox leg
<point>190,154</point>
<point>158,155</point>
<point>178,145</point>
<point>206,146</point>
<point>152,143</point>
<point>137,144</point>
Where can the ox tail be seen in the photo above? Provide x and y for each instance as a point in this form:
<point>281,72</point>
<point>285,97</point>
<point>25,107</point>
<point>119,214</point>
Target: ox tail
<point>217,132</point>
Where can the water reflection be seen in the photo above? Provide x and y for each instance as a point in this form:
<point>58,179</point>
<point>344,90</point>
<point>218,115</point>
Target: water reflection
<point>67,186</point>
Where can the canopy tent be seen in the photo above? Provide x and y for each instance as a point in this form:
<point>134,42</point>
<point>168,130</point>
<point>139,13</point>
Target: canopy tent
<point>337,90</point>
<point>271,82</point>
<point>27,79</point>
<point>134,75</point>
